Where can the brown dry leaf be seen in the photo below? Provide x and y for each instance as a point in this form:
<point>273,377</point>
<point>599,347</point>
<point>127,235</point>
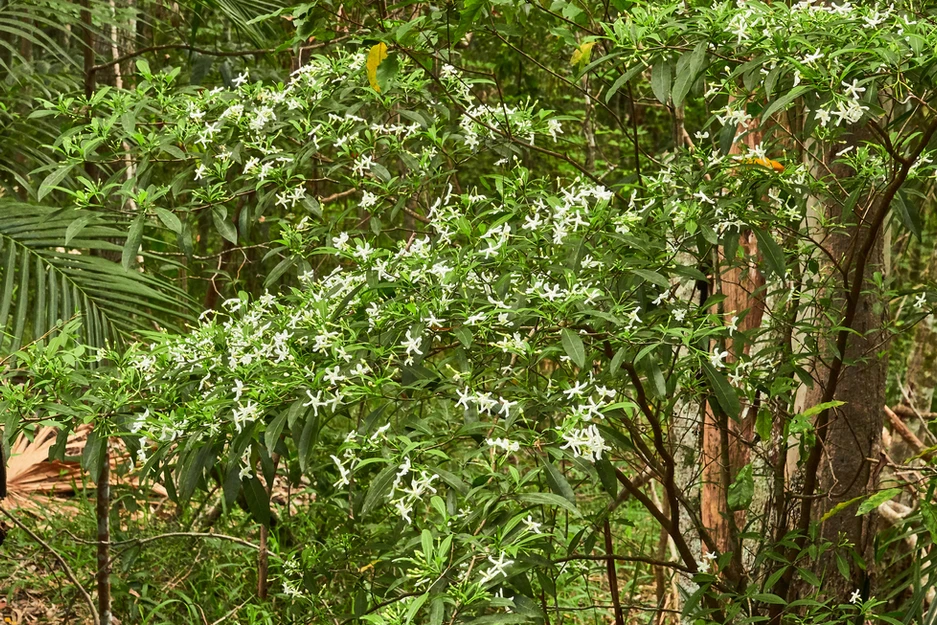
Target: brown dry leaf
<point>33,479</point>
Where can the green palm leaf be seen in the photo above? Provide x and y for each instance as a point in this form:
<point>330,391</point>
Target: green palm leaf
<point>42,283</point>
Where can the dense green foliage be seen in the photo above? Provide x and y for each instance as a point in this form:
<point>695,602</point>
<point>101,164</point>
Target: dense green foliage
<point>461,278</point>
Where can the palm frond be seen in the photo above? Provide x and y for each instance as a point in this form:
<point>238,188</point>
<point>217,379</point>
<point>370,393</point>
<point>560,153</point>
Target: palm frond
<point>42,283</point>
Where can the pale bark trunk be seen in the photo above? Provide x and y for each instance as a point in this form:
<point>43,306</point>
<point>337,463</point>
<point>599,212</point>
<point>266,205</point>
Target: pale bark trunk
<point>854,433</point>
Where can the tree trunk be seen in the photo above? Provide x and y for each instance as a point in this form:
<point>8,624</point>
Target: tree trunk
<point>854,432</point>
<point>103,513</point>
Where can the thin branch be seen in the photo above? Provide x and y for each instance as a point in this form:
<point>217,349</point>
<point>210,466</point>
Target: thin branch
<point>134,542</point>
<point>916,445</point>
<point>68,571</point>
<point>612,556</point>
<point>227,53</point>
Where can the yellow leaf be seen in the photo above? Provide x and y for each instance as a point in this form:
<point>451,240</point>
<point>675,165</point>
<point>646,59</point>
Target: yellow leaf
<point>764,162</point>
<point>582,53</point>
<point>377,54</point>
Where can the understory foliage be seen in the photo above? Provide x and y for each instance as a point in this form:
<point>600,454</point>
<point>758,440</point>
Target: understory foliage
<point>485,323</point>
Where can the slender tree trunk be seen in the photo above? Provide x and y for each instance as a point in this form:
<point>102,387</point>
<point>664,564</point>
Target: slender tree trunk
<point>103,512</point>
<point>725,447</point>
<point>263,556</point>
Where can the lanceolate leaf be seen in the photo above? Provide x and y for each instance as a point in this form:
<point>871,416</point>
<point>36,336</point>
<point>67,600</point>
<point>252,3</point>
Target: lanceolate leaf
<point>132,244</point>
<point>661,79</point>
<point>688,68</point>
<point>574,347</point>
<point>723,391</point>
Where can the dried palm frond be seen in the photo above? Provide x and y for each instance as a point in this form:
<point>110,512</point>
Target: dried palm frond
<point>34,479</point>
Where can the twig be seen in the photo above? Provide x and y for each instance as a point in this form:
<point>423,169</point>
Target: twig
<point>230,613</point>
<point>604,557</point>
<point>183,46</point>
<point>337,196</point>
<point>142,541</point>
<point>68,571</point>
<point>919,448</point>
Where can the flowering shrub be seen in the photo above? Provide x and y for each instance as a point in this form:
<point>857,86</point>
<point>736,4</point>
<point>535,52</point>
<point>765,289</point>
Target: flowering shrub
<point>477,357</point>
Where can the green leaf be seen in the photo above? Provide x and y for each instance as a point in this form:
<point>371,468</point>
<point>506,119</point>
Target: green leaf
<point>725,394</point>
<point>169,220</point>
<point>742,490</point>
<point>76,226</point>
<point>661,78</point>
<point>606,472</point>
<point>763,424</point>
<point>464,335</point>
<point>273,431</point>
<point>258,502</point>
<point>929,516</point>
<point>386,72</point>
<point>304,446</point>
<point>549,499</point>
<point>573,346</point>
<point>622,80</point>
<point>688,68</point>
<point>415,606</point>
<point>378,489</point>
<point>128,257</point>
<point>783,101</point>
<point>557,482</point>
<point>437,610</point>
<point>909,214</point>
<point>467,18</point>
<point>616,361</point>
<point>814,410</point>
<point>653,277</point>
<point>767,597</point>
<point>224,227</point>
<point>876,500</point>
<point>773,254</point>
<point>51,181</point>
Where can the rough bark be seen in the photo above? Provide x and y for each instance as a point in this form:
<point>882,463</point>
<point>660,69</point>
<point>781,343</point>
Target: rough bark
<point>725,447</point>
<point>854,431</point>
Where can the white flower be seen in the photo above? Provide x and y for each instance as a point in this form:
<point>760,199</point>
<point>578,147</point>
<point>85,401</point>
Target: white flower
<point>531,525</point>
<point>240,80</point>
<point>245,472</point>
<point>554,128</point>
<point>856,596</point>
<point>341,242</point>
<point>261,117</point>
<point>585,442</point>
<point>448,71</point>
<point>243,413</point>
<point>362,165</point>
<point>466,396</point>
<point>503,443</point>
<point>315,401</point>
<point>733,325</point>
<point>344,474</point>
<point>497,568</point>
<point>920,300</point>
<point>412,346</point>
<point>368,200</point>
<point>200,171</point>
<point>717,357</point>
